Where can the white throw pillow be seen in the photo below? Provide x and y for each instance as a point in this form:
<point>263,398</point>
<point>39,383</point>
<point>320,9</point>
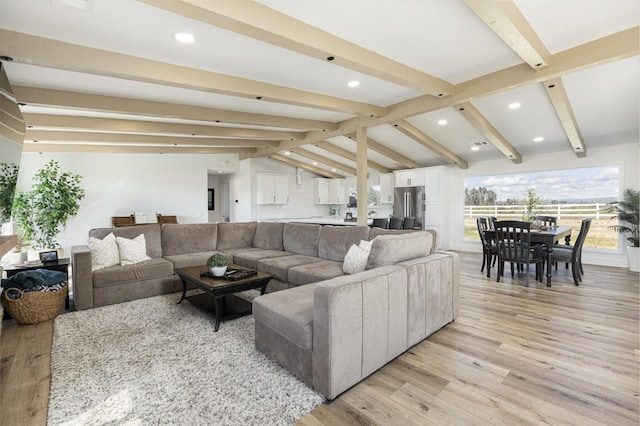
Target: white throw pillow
<point>356,260</point>
<point>365,245</point>
<point>132,251</point>
<point>104,253</point>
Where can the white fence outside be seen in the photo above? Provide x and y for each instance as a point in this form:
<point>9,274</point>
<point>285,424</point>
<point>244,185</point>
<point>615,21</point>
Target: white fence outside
<point>597,210</point>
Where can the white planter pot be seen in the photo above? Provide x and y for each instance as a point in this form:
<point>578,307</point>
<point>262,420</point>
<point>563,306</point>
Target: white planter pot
<point>17,257</point>
<point>218,271</point>
<point>633,254</point>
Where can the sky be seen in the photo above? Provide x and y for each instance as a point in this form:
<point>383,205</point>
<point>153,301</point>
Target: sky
<point>560,185</point>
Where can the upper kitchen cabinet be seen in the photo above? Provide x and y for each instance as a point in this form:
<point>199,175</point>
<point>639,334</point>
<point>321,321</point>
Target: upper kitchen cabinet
<point>328,191</point>
<point>272,189</point>
<point>414,177</point>
<point>387,183</point>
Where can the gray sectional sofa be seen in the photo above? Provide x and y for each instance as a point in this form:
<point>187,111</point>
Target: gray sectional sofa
<point>329,328</point>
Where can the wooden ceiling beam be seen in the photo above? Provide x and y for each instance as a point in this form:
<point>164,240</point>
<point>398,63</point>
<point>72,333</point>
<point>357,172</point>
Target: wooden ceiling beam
<point>562,105</point>
<point>615,47</point>
<point>260,22</point>
<point>424,140</point>
<point>129,149</point>
<point>313,169</point>
<point>506,20</point>
<point>40,51</point>
<point>328,146</point>
<point>490,133</point>
<point>54,121</point>
<point>388,152</point>
<point>324,160</point>
<point>124,138</point>
<point>84,101</point>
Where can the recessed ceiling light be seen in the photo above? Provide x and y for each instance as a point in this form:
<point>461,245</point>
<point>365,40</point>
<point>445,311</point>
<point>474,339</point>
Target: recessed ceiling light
<point>315,163</point>
<point>538,139</point>
<point>442,122</point>
<point>185,37</point>
<point>353,83</point>
<point>475,148</point>
<point>514,105</point>
<point>287,153</point>
<point>333,170</point>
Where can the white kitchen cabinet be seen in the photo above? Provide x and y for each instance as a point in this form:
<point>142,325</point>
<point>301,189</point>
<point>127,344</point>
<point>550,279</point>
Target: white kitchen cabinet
<point>386,188</point>
<point>432,183</point>
<point>327,191</point>
<point>409,178</point>
<point>272,189</point>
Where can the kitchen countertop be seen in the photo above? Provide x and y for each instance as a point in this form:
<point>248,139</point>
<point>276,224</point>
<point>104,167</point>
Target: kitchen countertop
<point>323,220</point>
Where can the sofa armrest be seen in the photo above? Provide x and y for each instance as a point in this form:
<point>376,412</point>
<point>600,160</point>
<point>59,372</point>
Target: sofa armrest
<point>359,324</point>
<point>82,277</point>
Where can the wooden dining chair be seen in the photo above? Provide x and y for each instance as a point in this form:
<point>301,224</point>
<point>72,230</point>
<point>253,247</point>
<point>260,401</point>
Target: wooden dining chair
<point>489,250</point>
<point>513,240</point>
<point>573,254</point>
<point>547,221</point>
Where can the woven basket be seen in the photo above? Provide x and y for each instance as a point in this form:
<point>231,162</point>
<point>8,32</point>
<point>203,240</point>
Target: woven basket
<point>33,307</point>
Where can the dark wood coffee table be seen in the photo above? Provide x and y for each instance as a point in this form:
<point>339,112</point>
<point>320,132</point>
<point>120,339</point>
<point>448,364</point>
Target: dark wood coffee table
<point>218,297</point>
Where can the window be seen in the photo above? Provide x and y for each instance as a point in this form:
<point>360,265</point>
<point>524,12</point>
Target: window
<point>373,195</point>
<point>571,195</point>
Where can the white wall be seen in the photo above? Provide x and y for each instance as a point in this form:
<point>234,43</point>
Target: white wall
<point>121,184</point>
<point>627,156</point>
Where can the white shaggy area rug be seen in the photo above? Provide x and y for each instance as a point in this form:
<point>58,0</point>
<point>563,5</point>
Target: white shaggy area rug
<point>151,361</point>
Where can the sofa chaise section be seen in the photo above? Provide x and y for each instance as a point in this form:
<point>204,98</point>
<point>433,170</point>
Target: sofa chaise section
<point>336,332</point>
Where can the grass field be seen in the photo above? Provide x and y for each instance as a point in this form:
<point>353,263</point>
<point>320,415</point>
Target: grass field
<point>598,237</point>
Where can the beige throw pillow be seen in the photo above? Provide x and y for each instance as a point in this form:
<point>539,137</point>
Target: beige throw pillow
<point>104,253</point>
<point>132,251</point>
<point>356,258</point>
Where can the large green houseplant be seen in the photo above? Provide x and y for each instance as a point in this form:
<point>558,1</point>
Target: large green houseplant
<point>42,212</point>
<point>628,214</point>
<point>8,181</point>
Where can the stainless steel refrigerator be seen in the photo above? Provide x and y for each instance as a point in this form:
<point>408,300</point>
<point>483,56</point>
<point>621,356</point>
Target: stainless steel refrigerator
<point>409,202</point>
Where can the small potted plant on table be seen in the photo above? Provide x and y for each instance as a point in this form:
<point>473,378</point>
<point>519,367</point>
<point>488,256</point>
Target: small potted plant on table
<point>217,264</point>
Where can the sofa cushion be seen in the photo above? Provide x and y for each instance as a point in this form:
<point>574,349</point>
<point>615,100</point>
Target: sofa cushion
<point>356,259</point>
<point>380,231</point>
<point>151,236</point>
<point>190,259</point>
<point>104,252</point>
<point>188,238</point>
<point>268,236</point>
<point>279,267</point>
<point>235,235</point>
<point>394,248</point>
<point>335,240</point>
<point>288,313</point>
<point>314,272</point>
<point>249,258</point>
<point>301,238</point>
<point>132,251</point>
<point>147,270</point>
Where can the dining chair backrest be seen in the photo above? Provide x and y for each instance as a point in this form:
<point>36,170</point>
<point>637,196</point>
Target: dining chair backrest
<point>546,220</point>
<point>408,222</point>
<point>395,223</point>
<point>481,231</point>
<point>483,223</point>
<point>380,223</point>
<point>582,235</point>
<point>492,220</point>
<point>513,239</point>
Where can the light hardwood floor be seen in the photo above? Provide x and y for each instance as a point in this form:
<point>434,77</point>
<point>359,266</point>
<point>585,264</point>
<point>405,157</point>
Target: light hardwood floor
<point>515,355</point>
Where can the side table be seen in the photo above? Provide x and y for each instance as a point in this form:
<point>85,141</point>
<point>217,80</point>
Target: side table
<point>61,265</point>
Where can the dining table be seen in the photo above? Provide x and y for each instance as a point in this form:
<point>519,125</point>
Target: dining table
<point>547,236</point>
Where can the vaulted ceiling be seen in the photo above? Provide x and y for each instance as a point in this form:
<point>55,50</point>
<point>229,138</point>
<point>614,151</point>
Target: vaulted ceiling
<point>269,78</point>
